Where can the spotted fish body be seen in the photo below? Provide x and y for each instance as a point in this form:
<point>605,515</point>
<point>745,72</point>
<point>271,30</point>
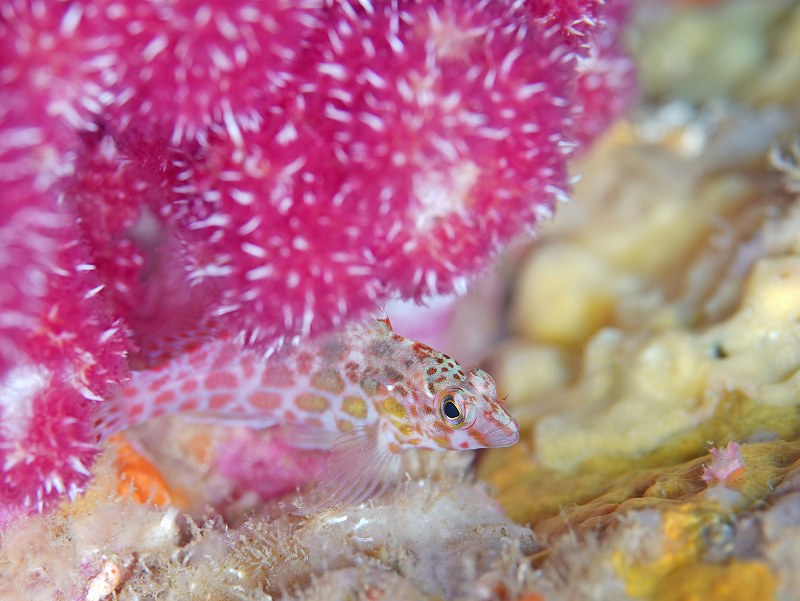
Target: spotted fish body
<point>367,392</point>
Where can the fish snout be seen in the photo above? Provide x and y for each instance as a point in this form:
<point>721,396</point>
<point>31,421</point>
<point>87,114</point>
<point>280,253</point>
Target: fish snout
<point>502,430</point>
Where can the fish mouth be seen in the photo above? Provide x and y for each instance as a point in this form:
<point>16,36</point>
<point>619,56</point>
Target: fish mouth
<point>505,432</point>
<point>499,438</point>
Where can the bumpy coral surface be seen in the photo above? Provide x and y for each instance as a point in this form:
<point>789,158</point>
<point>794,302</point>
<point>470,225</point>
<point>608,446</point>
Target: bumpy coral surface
<point>183,68</point>
<point>274,169</point>
<point>407,140</point>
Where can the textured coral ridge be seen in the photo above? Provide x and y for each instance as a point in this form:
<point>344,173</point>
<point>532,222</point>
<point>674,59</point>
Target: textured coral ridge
<point>277,167</point>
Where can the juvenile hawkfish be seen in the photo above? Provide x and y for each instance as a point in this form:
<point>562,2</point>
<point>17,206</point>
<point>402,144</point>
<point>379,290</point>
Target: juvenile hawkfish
<point>366,392</point>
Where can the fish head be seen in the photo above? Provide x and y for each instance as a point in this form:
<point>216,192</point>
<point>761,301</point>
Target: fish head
<point>461,411</point>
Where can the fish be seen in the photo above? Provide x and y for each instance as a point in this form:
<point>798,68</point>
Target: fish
<point>365,393</point>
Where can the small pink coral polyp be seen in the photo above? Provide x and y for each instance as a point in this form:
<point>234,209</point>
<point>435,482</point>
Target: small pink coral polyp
<point>604,73</point>
<point>33,154</point>
<point>107,197</point>
<point>727,465</point>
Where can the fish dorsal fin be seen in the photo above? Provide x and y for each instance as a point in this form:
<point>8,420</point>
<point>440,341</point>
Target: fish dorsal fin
<point>361,467</point>
<point>383,321</point>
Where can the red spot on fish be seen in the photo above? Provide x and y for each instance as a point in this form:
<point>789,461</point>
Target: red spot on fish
<point>136,410</point>
<point>219,401</point>
<point>158,384</point>
<point>199,357</point>
<point>304,361</point>
<point>264,400</point>
<point>421,350</point>
<point>248,366</point>
<point>314,422</point>
<point>464,445</point>
<point>352,372</point>
<point>220,379</point>
<point>228,355</point>
<point>165,397</point>
<point>479,438</point>
<point>441,429</point>
<point>189,405</point>
<point>279,376</point>
<point>130,392</point>
<point>189,386</point>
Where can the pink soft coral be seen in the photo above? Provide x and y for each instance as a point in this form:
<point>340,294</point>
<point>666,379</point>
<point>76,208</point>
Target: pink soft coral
<point>67,363</point>
<point>53,68</point>
<point>269,168</point>
<point>184,67</point>
<point>603,72</point>
<point>407,141</point>
<point>445,118</point>
<point>265,464</point>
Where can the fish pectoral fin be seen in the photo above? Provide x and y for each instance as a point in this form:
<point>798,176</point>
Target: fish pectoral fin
<point>362,467</point>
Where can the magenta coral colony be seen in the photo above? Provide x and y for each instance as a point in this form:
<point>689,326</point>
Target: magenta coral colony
<point>225,185</point>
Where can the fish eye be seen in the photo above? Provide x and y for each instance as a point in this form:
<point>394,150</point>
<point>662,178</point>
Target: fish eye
<point>452,413</point>
<point>450,410</point>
